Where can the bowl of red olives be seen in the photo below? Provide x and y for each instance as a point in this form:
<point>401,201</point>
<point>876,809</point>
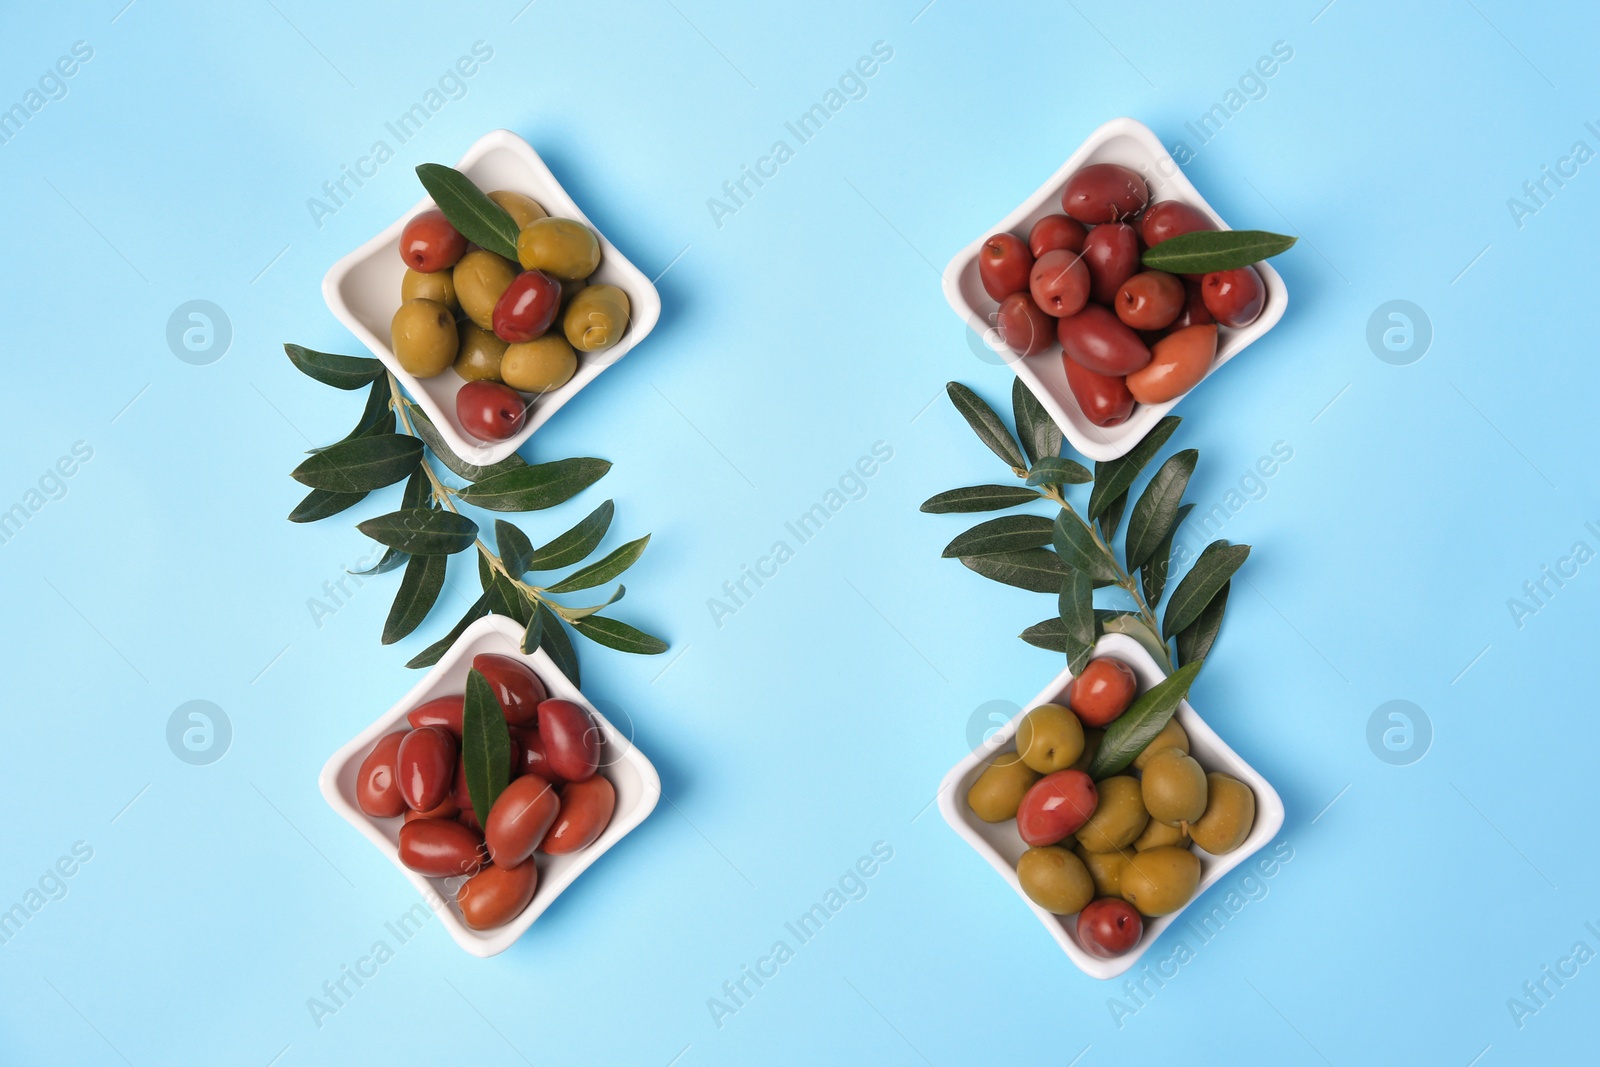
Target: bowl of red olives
<point>492,344</point>
<point>1108,860</point>
<point>1059,291</point>
<point>577,786</point>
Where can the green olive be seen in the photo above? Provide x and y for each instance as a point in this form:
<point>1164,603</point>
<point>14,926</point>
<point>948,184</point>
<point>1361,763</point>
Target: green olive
<point>561,247</point>
<point>1174,787</point>
<point>1050,738</point>
<point>997,792</point>
<point>1160,835</point>
<point>596,318</point>
<point>1091,745</point>
<point>1160,881</point>
<point>438,286</point>
<point>1106,870</point>
<point>539,365</point>
<point>479,355</point>
<point>1118,819</point>
<point>1055,879</point>
<point>1172,735</point>
<point>522,209</point>
<point>480,277</point>
<point>1230,814</point>
<point>423,333</point>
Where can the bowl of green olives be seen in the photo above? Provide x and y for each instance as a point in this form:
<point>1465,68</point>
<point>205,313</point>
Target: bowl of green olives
<point>488,346</point>
<point>1107,865</point>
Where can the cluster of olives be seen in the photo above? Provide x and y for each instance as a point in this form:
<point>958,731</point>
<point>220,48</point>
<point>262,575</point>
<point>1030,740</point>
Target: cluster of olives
<point>1127,336</point>
<point>1114,850</point>
<point>504,344</point>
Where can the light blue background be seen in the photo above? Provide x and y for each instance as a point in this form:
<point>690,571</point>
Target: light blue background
<point>820,718</point>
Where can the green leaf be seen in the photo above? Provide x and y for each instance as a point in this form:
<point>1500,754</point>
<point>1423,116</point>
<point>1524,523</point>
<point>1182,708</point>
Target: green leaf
<point>1207,250</point>
<point>1008,533</point>
<point>605,570</point>
<point>1126,737</point>
<point>361,465</point>
<point>1112,478</point>
<point>341,372</point>
<point>579,613</point>
<point>532,635</point>
<point>1074,542</point>
<point>485,745</point>
<point>619,635</point>
<point>987,425</point>
<point>557,644</point>
<point>1077,618</point>
<point>575,544</point>
<point>1059,472</point>
<point>1129,624</point>
<point>535,488</point>
<point>419,589</point>
<point>1210,572</point>
<point>1040,436</point>
<point>1196,639</point>
<point>376,417</point>
<point>392,558</point>
<point>509,601</point>
<point>1036,569</point>
<point>1110,517</point>
<point>1153,573</point>
<point>472,473</point>
<point>978,498</point>
<point>418,493</point>
<point>422,531</point>
<point>515,548</point>
<point>1156,513</point>
<point>480,220</point>
<point>430,655</point>
<point>1051,634</point>
<point>320,503</point>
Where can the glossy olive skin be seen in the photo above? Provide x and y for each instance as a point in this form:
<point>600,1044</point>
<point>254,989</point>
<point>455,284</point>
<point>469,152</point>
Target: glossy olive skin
<point>1194,311</point>
<point>1119,819</point>
<point>527,307</point>
<point>447,809</point>
<point>490,411</point>
<point>1234,297</point>
<point>1104,192</point>
<point>1112,255</point>
<point>496,895</point>
<point>423,336</point>
<point>377,784</point>
<point>1160,881</point>
<point>998,791</point>
<point>1177,364</point>
<point>1095,338</point>
<point>596,318</point>
<point>1171,218</point>
<point>479,354</point>
<point>1150,300</point>
<point>1024,327</point>
<point>1004,263</point>
<point>518,689</point>
<point>429,243</point>
<point>1106,870</point>
<point>522,209</point>
<point>532,754</point>
<point>1050,738</point>
<point>1055,879</point>
<point>1102,690</point>
<point>1173,788</point>
<point>540,365</point>
<point>521,816</point>
<point>586,810</point>
<point>1055,806</point>
<point>1160,835</point>
<point>440,847</point>
<point>480,278</point>
<point>1172,735</point>
<point>1059,283</point>
<point>1056,231</point>
<point>1103,398</point>
<point>1229,816</point>
<point>425,766</point>
<point>440,711</point>
<point>1108,928</point>
<point>439,286</point>
<point>561,247</point>
<point>571,739</point>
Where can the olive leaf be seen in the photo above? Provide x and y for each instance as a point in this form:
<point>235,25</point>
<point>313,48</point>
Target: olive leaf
<point>605,570</point>
<point>1074,542</point>
<point>1048,634</point>
<point>1038,570</point>
<point>458,466</point>
<point>579,613</point>
<point>430,655</point>
<point>376,417</point>
<point>1207,250</point>
<point>1038,432</point>
<point>1113,477</point>
<point>575,544</point>
<point>418,492</point>
<point>1009,533</point>
<point>534,488</point>
<point>1111,517</point>
<point>987,425</point>
<point>485,745</point>
<point>1153,572</point>
<point>1130,732</point>
<point>619,635</point>
<point>479,219</point>
<point>1196,639</point>
<point>1211,571</point>
<point>1156,513</point>
<point>392,558</point>
<point>515,548</point>
<point>320,503</point>
<point>533,632</point>
<point>978,498</point>
<point>419,589</point>
<point>1059,471</point>
<point>361,465</point>
<point>422,531</point>
<point>341,372</point>
<point>557,644</point>
<point>1131,625</point>
<point>1077,619</point>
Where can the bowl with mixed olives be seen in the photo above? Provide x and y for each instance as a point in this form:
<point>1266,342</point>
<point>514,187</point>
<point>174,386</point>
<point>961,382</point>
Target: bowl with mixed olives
<point>1108,857</point>
<point>493,337</point>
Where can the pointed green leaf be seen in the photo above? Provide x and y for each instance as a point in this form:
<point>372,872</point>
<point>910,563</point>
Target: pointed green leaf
<point>422,531</point>
<point>1040,436</point>
<point>392,558</point>
<point>1037,569</point>
<point>532,635</point>
<point>1077,618</point>
<point>1124,622</point>
<point>361,465</point>
<point>605,570</point>
<point>515,548</point>
<point>1009,533</point>
<point>1153,574</point>
<point>575,544</point>
<point>1127,736</point>
<point>1074,542</point>
<point>479,219</point>
<point>1051,634</point>
<point>619,635</point>
<point>430,655</point>
<point>1156,513</point>
<point>341,372</point>
<point>320,503</point>
<point>419,589</point>
<point>485,745</point>
<point>471,472</point>
<point>418,493</point>
<point>1204,251</point>
<point>1110,517</point>
<point>987,425</point>
<point>1112,478</point>
<point>509,601</point>
<point>579,613</point>
<point>1196,639</point>
<point>978,498</point>
<point>535,488</point>
<point>557,644</point>
<point>1211,571</point>
<point>1059,472</point>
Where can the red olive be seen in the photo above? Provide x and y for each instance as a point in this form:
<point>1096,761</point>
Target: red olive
<point>1234,297</point>
<point>1169,219</point>
<point>440,711</point>
<point>489,410</point>
<point>521,815</point>
<point>1056,231</point>
<point>440,848</point>
<point>426,766</point>
<point>1003,265</point>
<point>1177,363</point>
<point>1024,328</point>
<point>1059,283</point>
<point>496,895</point>
<point>1150,300</point>
<point>1055,806</point>
<point>1095,338</point>
<point>515,686</point>
<point>586,809</point>
<point>377,787</point>
<point>571,739</point>
<point>1109,927</point>
<point>1103,398</point>
<point>429,243</point>
<point>534,760</point>
<point>1102,691</point>
<point>1112,256</point>
<point>1194,311</point>
<point>527,307</point>
<point>1104,192</point>
<point>447,809</point>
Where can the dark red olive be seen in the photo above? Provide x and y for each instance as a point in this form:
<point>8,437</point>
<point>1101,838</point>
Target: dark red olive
<point>521,816</point>
<point>533,757</point>
<point>1172,218</point>
<point>440,711</point>
<point>447,809</point>
<point>377,787</point>
<point>1095,338</point>
<point>571,739</point>
<point>496,895</point>
<point>489,410</point>
<point>527,307</point>
<point>1150,300</point>
<point>429,243</point>
<point>1103,399</point>
<point>1056,231</point>
<point>426,766</point>
<point>440,848</point>
<point>1234,297</point>
<point>1059,283</point>
<point>1112,256</point>
<point>1023,327</point>
<point>1003,265</point>
<point>516,687</point>
<point>1104,192</point>
<point>586,809</point>
<point>1194,311</point>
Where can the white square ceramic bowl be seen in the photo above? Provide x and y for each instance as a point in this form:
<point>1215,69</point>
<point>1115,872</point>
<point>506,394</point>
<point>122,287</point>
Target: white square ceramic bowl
<point>363,292</point>
<point>637,784</point>
<point>1002,846</point>
<point>1131,144</point>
